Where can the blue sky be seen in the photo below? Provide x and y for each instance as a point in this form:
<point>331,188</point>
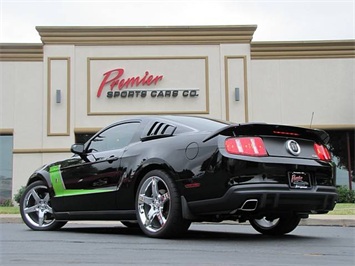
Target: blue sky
<point>277,20</point>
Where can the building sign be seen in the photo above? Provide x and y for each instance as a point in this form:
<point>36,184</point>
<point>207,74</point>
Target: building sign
<point>147,85</point>
<point>114,78</point>
<point>121,86</point>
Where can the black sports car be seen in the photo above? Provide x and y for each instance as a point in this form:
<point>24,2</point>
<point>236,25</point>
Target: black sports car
<point>161,173</point>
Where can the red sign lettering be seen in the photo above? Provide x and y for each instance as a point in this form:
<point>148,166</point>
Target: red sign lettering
<point>113,78</point>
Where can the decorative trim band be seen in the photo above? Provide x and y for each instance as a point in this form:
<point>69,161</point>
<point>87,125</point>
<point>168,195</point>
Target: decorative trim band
<point>48,150</point>
<point>6,131</point>
<point>303,50</point>
<point>21,52</point>
<point>50,92</point>
<point>245,85</point>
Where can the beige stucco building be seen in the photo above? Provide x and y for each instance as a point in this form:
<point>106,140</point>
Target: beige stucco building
<point>80,79</point>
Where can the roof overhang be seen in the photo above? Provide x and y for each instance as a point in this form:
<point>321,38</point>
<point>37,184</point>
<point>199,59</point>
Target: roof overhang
<point>146,35</point>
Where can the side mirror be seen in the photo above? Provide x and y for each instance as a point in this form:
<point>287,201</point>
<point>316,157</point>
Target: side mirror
<point>77,149</point>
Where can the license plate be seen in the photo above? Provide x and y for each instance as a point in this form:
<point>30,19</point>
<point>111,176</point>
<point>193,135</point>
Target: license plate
<point>299,180</point>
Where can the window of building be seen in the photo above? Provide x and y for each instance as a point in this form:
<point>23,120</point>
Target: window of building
<point>342,146</point>
<point>6,146</point>
<point>83,137</point>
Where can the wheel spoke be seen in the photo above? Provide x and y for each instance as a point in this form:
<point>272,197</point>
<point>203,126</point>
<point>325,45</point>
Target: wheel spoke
<point>155,191</point>
<point>161,218</point>
<point>145,199</point>
<point>49,209</point>
<point>151,214</point>
<point>40,218</point>
<point>31,209</point>
<point>35,196</point>
<point>46,198</point>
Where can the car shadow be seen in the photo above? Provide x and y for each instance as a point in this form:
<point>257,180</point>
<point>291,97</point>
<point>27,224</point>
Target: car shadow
<point>191,234</point>
<point>239,236</point>
<point>111,230</point>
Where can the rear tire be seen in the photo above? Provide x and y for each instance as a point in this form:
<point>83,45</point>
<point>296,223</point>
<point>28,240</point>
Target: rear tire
<point>278,226</point>
<point>36,210</point>
<point>158,206</point>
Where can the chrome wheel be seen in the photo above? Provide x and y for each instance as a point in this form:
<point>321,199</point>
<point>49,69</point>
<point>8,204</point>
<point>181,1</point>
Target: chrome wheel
<point>154,203</point>
<point>35,208</point>
<point>158,206</point>
<point>266,223</point>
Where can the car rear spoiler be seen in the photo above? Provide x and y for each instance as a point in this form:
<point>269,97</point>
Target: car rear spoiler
<point>251,129</point>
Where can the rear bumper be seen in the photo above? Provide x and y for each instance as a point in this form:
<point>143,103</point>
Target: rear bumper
<point>258,199</point>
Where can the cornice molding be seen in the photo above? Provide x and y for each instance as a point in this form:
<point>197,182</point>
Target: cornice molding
<point>40,150</point>
<point>21,52</point>
<point>6,131</point>
<point>303,49</point>
<point>146,35</point>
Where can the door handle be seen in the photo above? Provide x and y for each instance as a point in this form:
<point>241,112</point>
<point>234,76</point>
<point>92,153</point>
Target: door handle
<point>112,158</point>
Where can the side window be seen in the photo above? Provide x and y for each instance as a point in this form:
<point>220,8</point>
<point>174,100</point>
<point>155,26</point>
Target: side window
<point>116,137</point>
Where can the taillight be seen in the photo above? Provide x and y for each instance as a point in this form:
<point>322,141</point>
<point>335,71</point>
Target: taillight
<point>249,146</point>
<point>322,152</point>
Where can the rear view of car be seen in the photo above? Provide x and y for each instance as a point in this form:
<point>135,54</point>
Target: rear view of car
<point>274,175</point>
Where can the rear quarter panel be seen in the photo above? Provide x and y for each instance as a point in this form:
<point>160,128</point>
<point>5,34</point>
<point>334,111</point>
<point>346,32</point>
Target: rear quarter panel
<point>170,155</point>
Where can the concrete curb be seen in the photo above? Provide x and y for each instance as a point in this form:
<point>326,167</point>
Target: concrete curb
<point>330,220</point>
<point>10,218</point>
<point>313,220</point>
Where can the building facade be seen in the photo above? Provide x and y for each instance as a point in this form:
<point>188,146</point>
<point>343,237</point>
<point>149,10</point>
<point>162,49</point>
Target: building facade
<point>79,79</point>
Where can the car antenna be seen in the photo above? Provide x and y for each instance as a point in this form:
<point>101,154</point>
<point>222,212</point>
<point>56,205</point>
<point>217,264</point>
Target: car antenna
<point>310,125</point>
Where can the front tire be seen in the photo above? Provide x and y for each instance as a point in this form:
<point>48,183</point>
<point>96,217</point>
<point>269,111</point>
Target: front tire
<point>158,206</point>
<point>278,226</point>
<point>36,210</point>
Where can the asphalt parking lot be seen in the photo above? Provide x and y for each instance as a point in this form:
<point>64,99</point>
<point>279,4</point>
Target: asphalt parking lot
<point>111,243</point>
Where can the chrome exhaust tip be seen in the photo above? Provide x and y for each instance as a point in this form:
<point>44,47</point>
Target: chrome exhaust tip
<point>249,205</point>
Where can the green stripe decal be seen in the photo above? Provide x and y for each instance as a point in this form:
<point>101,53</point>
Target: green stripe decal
<point>59,189</point>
